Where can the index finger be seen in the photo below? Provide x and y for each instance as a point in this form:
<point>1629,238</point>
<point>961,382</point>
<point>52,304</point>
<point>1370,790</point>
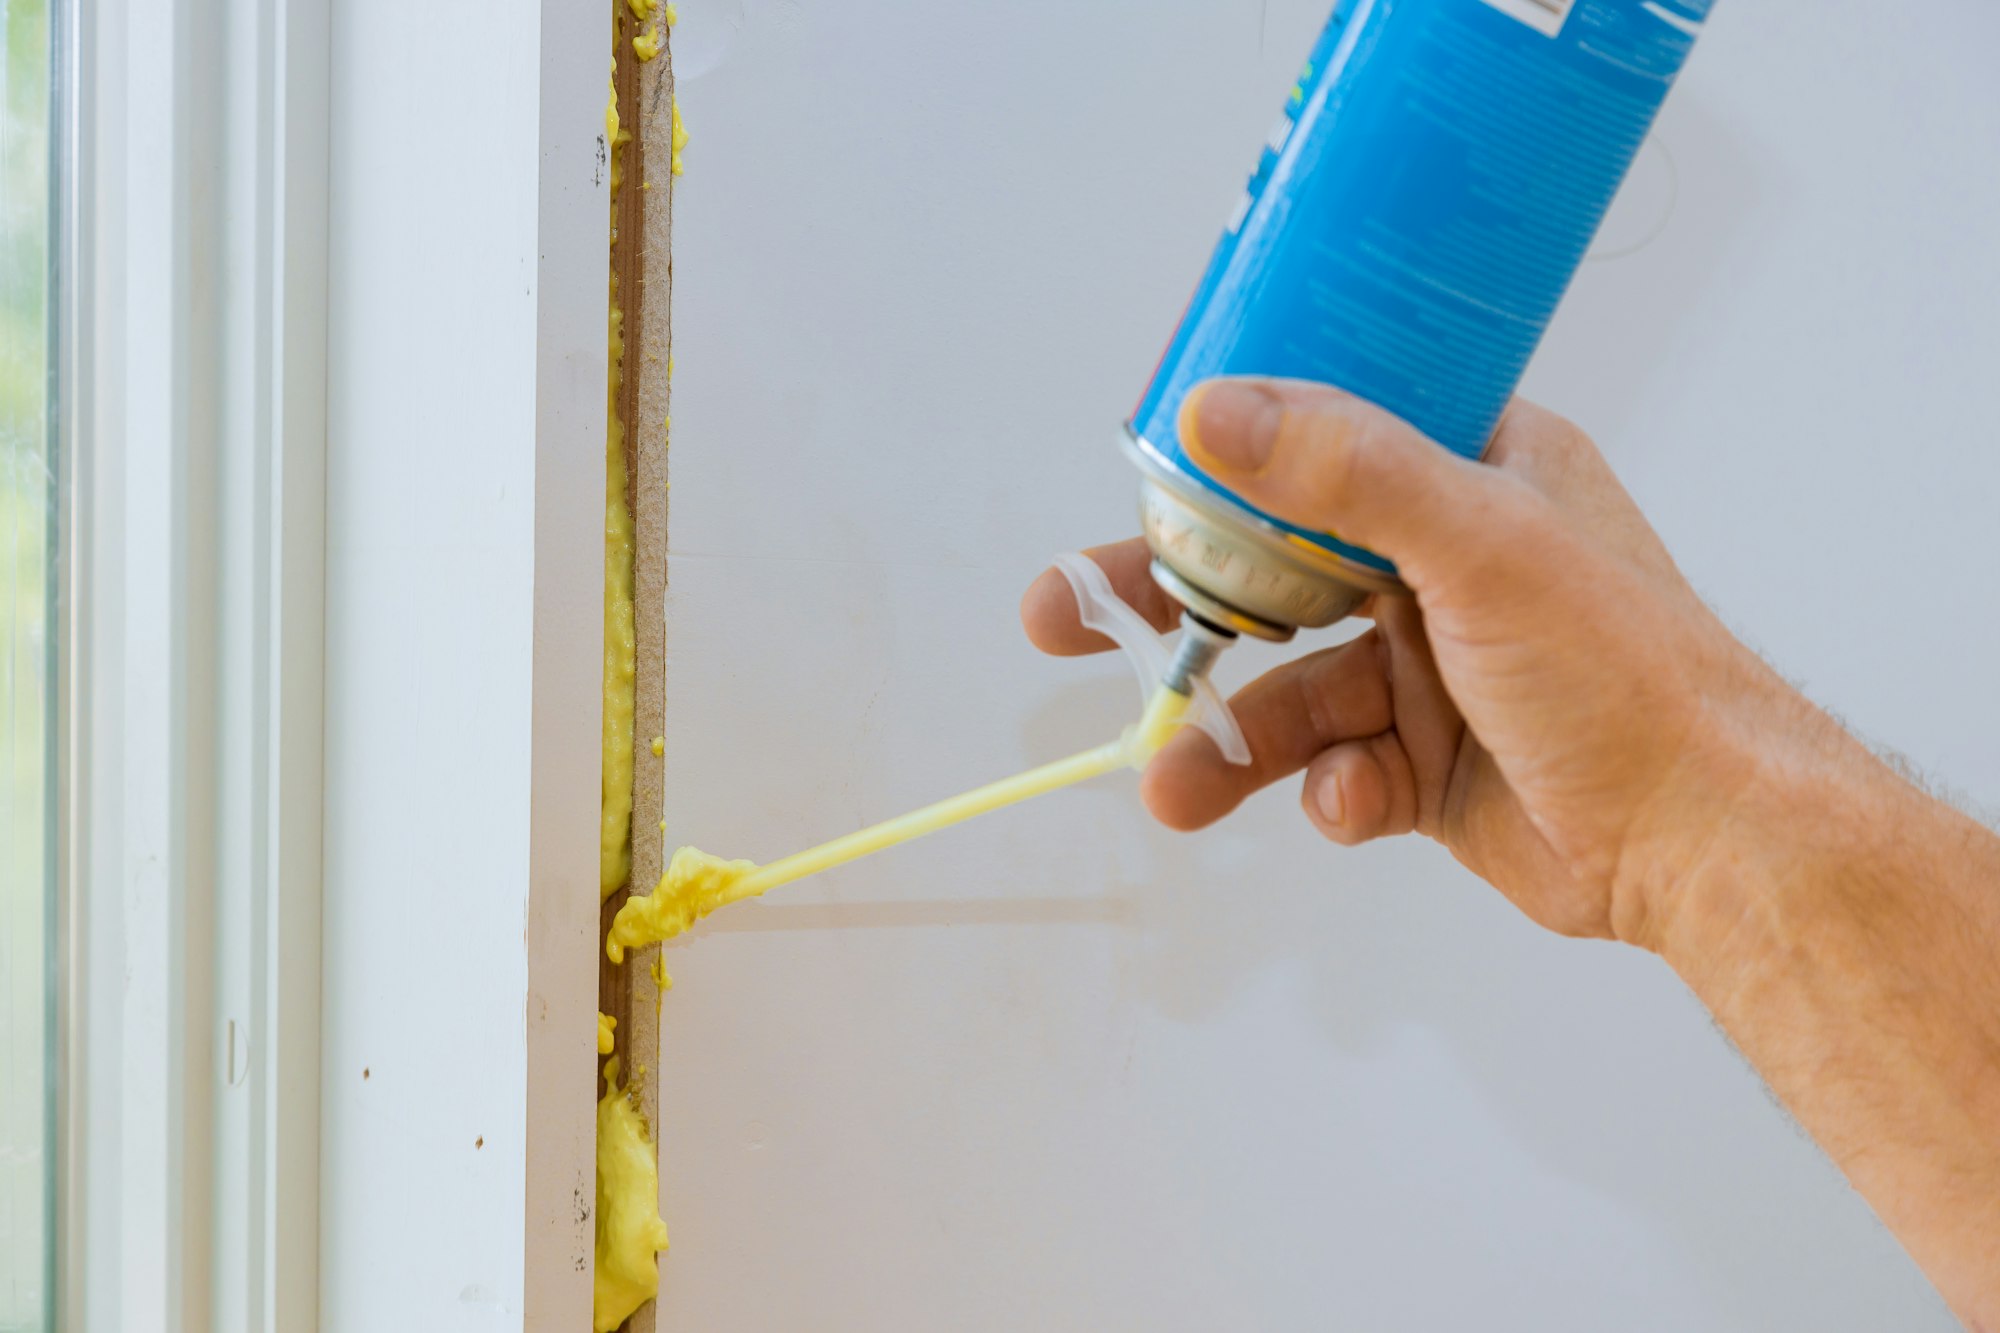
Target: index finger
<point>1049,611</point>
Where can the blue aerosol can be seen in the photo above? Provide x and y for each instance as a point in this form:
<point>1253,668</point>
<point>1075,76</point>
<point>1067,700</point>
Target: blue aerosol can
<point>1436,179</point>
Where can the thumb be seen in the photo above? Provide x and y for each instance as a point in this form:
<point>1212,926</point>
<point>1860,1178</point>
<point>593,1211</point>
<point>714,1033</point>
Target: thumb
<point>1323,459</point>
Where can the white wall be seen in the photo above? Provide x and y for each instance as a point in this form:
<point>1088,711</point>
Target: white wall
<point>1065,1070</point>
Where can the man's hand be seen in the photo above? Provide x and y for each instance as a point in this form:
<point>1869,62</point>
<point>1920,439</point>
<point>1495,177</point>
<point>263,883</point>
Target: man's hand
<point>1557,707</point>
<point>1560,710</point>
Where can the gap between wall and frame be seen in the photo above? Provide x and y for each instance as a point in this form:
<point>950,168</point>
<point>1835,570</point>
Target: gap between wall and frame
<point>642,260</point>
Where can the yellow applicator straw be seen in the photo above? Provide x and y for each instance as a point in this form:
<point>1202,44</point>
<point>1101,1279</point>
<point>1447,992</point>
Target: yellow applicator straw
<point>1173,681</point>
<point>1165,714</point>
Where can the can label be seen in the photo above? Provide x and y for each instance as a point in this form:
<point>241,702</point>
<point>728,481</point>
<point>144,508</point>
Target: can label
<point>1437,177</point>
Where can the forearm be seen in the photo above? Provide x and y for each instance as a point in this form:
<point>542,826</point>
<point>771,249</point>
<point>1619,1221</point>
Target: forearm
<point>1845,932</point>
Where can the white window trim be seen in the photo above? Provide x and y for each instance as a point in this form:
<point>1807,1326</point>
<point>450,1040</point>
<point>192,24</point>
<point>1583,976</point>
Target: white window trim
<point>193,369</point>
<point>196,1104</point>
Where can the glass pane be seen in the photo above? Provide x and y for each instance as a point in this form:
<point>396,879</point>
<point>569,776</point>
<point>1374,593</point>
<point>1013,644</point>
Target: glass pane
<point>27,680</point>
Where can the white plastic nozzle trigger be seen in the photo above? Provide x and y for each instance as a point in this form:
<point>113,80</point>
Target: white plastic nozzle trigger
<point>1101,609</point>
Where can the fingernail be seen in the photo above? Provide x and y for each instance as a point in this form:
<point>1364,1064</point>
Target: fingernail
<point>1231,426</point>
<point>1332,801</point>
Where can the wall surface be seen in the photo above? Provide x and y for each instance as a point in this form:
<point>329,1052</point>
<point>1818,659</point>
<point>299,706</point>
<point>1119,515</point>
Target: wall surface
<point>1064,1069</point>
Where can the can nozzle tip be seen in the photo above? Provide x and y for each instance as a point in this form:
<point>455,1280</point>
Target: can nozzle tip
<point>1195,656</point>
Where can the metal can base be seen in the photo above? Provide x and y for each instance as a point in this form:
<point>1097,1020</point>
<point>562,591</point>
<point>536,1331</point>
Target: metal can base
<point>1210,611</point>
<point>1232,567</point>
